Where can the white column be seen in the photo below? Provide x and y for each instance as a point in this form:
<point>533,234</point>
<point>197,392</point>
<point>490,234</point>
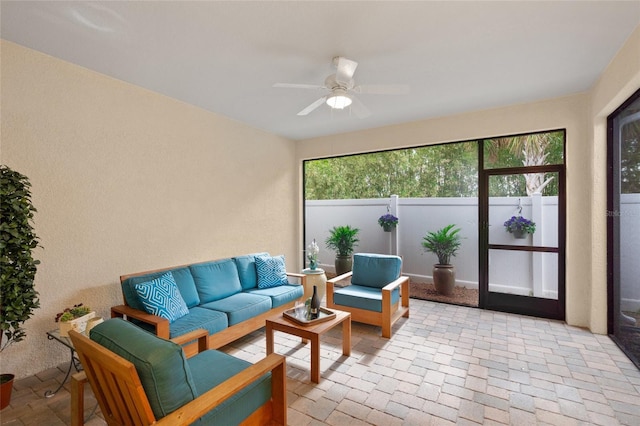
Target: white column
<point>538,261</point>
<point>394,233</point>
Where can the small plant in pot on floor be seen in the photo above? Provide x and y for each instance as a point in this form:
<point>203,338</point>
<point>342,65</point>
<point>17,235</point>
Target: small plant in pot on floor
<point>444,243</point>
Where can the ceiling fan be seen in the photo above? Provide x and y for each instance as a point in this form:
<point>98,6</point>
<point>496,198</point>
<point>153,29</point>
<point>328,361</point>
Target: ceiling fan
<point>341,87</point>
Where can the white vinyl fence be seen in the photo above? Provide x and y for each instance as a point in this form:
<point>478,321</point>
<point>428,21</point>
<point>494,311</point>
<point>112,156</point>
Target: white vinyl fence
<point>514,272</point>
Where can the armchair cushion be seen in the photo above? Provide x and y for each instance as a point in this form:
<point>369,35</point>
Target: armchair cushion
<point>362,297</point>
<point>161,364</point>
<point>213,368</point>
<point>161,297</point>
<point>375,270</point>
<point>272,271</point>
<point>216,280</point>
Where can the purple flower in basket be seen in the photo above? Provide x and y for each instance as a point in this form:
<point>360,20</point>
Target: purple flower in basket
<point>387,221</point>
<point>519,224</point>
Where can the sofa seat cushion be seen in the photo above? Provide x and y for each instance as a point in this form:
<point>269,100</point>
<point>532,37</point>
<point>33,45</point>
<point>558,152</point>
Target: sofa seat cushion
<point>362,297</point>
<point>216,280</point>
<point>247,269</point>
<point>240,307</point>
<point>183,279</point>
<point>280,295</point>
<point>210,320</point>
<point>375,270</point>
<point>213,368</point>
<point>161,364</point>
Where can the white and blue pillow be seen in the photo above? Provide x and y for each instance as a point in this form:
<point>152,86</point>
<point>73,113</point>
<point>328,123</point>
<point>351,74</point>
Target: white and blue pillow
<point>271,271</point>
<point>161,297</point>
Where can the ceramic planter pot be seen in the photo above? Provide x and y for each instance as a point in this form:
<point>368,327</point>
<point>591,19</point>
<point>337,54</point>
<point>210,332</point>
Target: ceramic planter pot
<point>444,279</point>
<point>6,387</point>
<point>343,264</point>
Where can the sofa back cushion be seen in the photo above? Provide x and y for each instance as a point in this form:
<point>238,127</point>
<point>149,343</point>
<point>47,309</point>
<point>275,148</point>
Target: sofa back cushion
<point>216,280</point>
<point>161,364</point>
<point>247,270</point>
<point>184,281</point>
<point>375,270</point>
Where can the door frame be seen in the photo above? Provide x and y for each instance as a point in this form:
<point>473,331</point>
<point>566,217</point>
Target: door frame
<point>613,226</point>
<point>526,305</point>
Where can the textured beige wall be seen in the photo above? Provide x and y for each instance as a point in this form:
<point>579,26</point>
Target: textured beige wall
<point>127,180</point>
<point>569,113</point>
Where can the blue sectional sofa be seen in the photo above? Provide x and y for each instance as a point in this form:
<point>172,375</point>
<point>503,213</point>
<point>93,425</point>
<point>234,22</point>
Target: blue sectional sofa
<point>225,297</point>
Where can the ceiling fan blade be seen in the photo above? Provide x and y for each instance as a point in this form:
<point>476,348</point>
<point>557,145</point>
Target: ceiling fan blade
<point>382,89</point>
<point>313,106</point>
<point>359,109</point>
<point>346,69</point>
<point>298,86</point>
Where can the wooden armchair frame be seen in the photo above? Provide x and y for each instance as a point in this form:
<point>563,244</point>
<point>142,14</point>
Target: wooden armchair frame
<point>123,401</point>
<point>390,312</point>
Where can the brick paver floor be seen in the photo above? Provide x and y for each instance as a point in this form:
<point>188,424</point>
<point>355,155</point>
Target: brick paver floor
<point>444,365</point>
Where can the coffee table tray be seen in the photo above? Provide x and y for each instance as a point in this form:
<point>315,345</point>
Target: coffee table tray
<point>325,315</point>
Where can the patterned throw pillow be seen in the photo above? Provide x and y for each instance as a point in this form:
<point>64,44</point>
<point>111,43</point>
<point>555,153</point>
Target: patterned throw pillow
<point>161,297</point>
<point>271,271</point>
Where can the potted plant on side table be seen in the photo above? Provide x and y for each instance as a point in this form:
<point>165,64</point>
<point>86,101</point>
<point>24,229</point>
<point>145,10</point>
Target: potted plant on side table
<point>75,318</point>
<point>342,240</point>
<point>18,240</point>
<point>444,243</point>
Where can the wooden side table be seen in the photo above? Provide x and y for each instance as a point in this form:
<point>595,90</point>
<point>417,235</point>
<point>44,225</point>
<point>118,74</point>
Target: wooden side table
<point>311,332</point>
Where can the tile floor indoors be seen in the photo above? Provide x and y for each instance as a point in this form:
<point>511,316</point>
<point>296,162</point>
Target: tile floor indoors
<point>444,365</point>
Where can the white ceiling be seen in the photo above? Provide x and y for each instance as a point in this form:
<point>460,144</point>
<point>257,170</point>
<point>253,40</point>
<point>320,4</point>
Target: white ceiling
<point>225,56</point>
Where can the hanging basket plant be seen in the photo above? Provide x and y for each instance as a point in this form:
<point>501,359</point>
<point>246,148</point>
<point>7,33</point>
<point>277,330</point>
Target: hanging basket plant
<point>388,222</point>
<point>520,226</point>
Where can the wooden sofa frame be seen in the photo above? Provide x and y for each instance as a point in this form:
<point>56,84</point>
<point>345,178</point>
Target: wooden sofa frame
<point>217,340</point>
<point>122,398</point>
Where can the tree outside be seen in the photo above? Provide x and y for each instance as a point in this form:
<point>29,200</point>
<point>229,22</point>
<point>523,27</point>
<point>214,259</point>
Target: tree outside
<point>447,170</point>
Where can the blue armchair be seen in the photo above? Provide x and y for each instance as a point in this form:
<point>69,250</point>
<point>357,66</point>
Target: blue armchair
<point>378,294</point>
<point>141,379</point>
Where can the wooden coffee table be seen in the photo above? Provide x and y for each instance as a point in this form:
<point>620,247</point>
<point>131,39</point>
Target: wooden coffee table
<point>311,332</point>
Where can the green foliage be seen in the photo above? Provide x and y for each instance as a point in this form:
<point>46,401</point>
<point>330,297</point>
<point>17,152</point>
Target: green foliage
<point>630,158</point>
<point>69,314</point>
<point>444,243</point>
<point>342,240</point>
<point>437,171</point>
<point>18,267</point>
<point>447,170</point>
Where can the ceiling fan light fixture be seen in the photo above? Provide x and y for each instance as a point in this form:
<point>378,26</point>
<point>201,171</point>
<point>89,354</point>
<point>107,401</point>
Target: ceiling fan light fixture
<point>339,99</point>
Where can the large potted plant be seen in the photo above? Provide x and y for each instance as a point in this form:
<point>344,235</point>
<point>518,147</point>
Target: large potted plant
<point>342,240</point>
<point>444,243</point>
<point>17,265</point>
